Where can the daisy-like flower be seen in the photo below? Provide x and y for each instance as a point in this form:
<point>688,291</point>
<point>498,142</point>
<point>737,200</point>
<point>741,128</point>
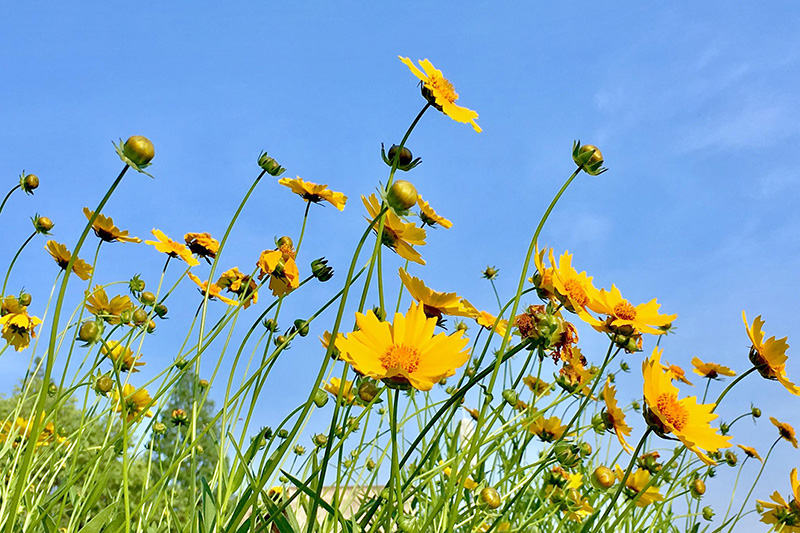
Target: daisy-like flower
<point>469,483</point>
<point>121,356</point>
<point>783,516</point>
<point>19,328</point>
<point>676,373</point>
<point>398,235</point>
<point>202,244</point>
<point>636,482</point>
<point>405,352</point>
<point>785,431</point>
<point>435,303</point>
<point>429,216</point>
<point>335,386</point>
<point>685,418</point>
<point>61,255</point>
<point>105,229</point>
<point>643,317</point>
<point>769,356</point>
<point>239,284</point>
<point>547,429</point>
<point>710,370</point>
<point>21,429</point>
<point>440,92</point>
<point>281,267</point>
<point>750,452</point>
<point>214,292</point>
<point>134,402</point>
<point>487,320</point>
<point>172,248</point>
<point>544,274</point>
<point>311,192</point>
<point>97,303</point>
<point>537,386</point>
<point>614,417</point>
<point>326,340</point>
<point>574,290</point>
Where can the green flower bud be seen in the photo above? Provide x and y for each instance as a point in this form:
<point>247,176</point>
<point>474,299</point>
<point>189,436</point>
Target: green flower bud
<point>270,165</point>
<point>90,332</point>
<point>321,270</point>
<point>181,363</point>
<point>367,391</point>
<point>271,324</point>
<point>588,158</point>
<point>402,196</point>
<point>490,498</point>
<point>697,488</point>
<point>320,398</point>
<point>301,326</point>
<point>159,428</point>
<point>151,326</point>
<point>755,411</point>
<point>103,384</point>
<point>139,150</point>
<point>203,383</point>
<point>42,225</point>
<point>136,284</point>
<point>490,272</point>
<point>282,434</point>
<point>708,513</point>
<point>299,450</point>
<point>284,241</point>
<point>147,298</point>
<point>52,389</point>
<point>28,182</point>
<point>370,465</point>
<point>599,424</point>
<point>320,440</point>
<point>139,317</point>
<point>511,397</point>
<point>279,340</point>
<point>160,310</point>
<point>730,458</point>
<point>404,156</point>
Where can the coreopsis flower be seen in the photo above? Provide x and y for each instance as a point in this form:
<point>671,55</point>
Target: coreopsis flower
<point>685,418</point>
<point>397,235</point>
<point>440,92</point>
<point>326,340</point>
<point>783,516</point>
<point>214,291</point>
<point>547,429</point>
<point>636,482</point>
<point>105,229</point>
<point>543,279</point>
<point>487,320</point>
<point>335,386</point>
<point>537,386</point>
<point>573,289</point>
<point>311,192</point>
<point>202,245</point>
<point>172,248</point>
<point>20,429</point>
<point>281,267</point>
<point>435,303</point>
<point>19,328</point>
<point>574,376</point>
<point>710,370</point>
<point>239,284</point>
<point>785,431</point>
<point>98,304</point>
<point>134,402</point>
<point>469,483</point>
<point>429,216</point>
<point>676,373</point>
<point>769,356</point>
<point>405,352</point>
<point>614,417</point>
<point>61,255</point>
<point>643,317</point>
<point>750,452</point>
<point>121,356</point>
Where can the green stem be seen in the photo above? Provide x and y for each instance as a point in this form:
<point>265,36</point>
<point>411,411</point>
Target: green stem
<point>496,295</point>
<point>731,385</point>
<point>394,479</point>
<point>302,229</point>
<point>11,266</point>
<point>8,196</point>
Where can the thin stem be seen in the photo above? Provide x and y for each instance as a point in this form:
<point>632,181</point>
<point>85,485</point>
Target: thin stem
<point>11,266</point>
<point>9,196</point>
<point>731,385</point>
<point>302,229</point>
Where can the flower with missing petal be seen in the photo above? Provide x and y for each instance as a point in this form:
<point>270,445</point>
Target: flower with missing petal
<point>214,291</point>
<point>335,388</point>
<point>239,284</point>
<point>19,328</point>
<point>61,255</point>
<point>121,356</point>
<point>97,303</point>
<point>783,516</point>
<point>105,229</point>
<point>769,356</point>
<point>436,303</point>
<point>636,482</point>
<point>547,429</point>
<point>750,452</point>
<point>487,320</point>
<point>311,192</point>
<point>281,267</point>
<point>134,402</point>
<point>710,370</point>
<point>643,317</point>
<point>398,235</point>
<point>785,431</point>
<point>676,373</point>
<point>687,420</point>
<point>429,216</point>
<point>172,248</point>
<point>440,92</point>
<point>404,352</point>
<point>614,417</point>
<point>202,244</point>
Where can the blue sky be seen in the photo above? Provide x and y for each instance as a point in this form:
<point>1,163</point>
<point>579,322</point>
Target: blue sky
<point>694,106</point>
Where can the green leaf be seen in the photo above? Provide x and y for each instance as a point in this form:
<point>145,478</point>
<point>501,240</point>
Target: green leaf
<point>347,527</point>
<point>207,517</point>
<point>95,525</point>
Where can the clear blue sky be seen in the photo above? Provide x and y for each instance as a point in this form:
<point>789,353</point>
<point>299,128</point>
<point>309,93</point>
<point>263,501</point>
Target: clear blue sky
<point>695,108</point>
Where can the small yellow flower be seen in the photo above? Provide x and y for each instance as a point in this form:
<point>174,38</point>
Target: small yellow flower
<point>105,229</point>
<point>19,328</point>
<point>239,284</point>
<point>214,292</point>
<point>429,216</point>
<point>134,402</point>
<point>202,244</point>
<point>783,516</point>
<point>398,235</point>
<point>614,417</point>
<point>769,356</point>
<point>281,267</point>
<point>172,248</point>
<point>547,429</point>
<point>643,317</point>
<point>21,429</point>
<point>750,452</point>
<point>574,289</point>
<point>61,255</point>
<point>785,430</point>
<point>335,386</point>
<point>487,320</point>
<point>676,373</point>
<point>97,303</point>
<point>405,352</point>
<point>435,303</point>
<point>469,483</point>
<point>710,370</point>
<point>121,356</point>
<point>440,92</point>
<point>636,482</point>
<point>311,192</point>
<point>537,386</point>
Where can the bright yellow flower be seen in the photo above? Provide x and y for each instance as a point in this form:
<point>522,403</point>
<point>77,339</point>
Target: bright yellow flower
<point>469,483</point>
<point>710,370</point>
<point>99,305</point>
<point>122,356</point>
<point>214,292</point>
<point>172,248</point>
<point>487,320</point>
<point>643,317</point>
<point>436,303</point>
<point>750,452</point>
<point>335,386</point>
<point>104,228</point>
<point>547,429</point>
<point>281,267</point>
<point>134,402</point>
<point>202,244</point>
<point>405,352</point>
<point>636,482</point>
<point>685,418</point>
<point>614,417</point>
<point>311,192</point>
<point>21,429</point>
<point>429,216</point>
<point>676,373</point>
<point>440,92</point>
<point>544,277</point>
<point>785,431</point>
<point>537,386</point>
<point>574,289</point>
<point>61,255</point>
<point>19,328</point>
<point>398,235</point>
<point>769,356</point>
<point>241,285</point>
<point>783,516</point>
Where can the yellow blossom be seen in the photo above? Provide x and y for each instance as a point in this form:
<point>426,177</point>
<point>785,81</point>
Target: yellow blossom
<point>202,244</point>
<point>240,284</point>
<point>134,402</point>
<point>614,417</point>
<point>97,303</point>
<point>643,317</point>
<point>750,452</point>
<point>335,386</point>
<point>636,483</point>
<point>61,255</point>
<point>122,356</point>
<point>769,356</point>
<point>547,429</point>
<point>214,292</point>
<point>783,516</point>
<point>172,248</point>
<point>710,370</point>
<point>487,320</point>
<point>398,235</point>
<point>311,192</point>
<point>105,229</point>
<point>435,303</point>
<point>785,431</point>
<point>429,216</point>
<point>19,328</point>
<point>281,267</point>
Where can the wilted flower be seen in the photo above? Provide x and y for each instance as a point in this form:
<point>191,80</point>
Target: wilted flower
<point>202,244</point>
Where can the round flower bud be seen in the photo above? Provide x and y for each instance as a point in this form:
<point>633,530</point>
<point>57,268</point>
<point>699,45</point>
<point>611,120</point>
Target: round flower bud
<point>301,326</point>
<point>42,225</point>
<point>490,498</point>
<point>407,524</point>
<point>29,182</point>
<point>603,478</point>
<point>139,317</point>
<point>599,424</point>
<point>179,417</point>
<point>160,310</point>
<point>367,391</point>
<point>136,284</point>
<point>24,299</point>
<point>181,363</point>
<point>279,340</point>
<point>589,158</point>
<point>402,195</point>
<point>285,241</point>
<point>697,488</point>
<point>203,383</point>
<point>320,440</point>
<point>282,434</point>
<point>147,298</point>
<point>299,450</point>
<point>755,411</point>
<point>730,458</point>
<point>139,150</point>
<point>461,326</point>
<point>585,449</point>
<point>320,398</point>
<point>370,464</point>
<point>103,384</point>
<point>708,513</point>
<point>321,270</point>
<point>270,165</point>
<point>271,324</point>
<point>510,396</point>
<point>90,331</point>
<point>159,428</point>
<point>151,326</point>
<point>404,157</point>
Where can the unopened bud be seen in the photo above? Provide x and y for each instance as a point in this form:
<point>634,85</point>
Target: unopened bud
<point>697,488</point>
<point>367,391</point>
<point>136,284</point>
<point>321,270</point>
<point>29,182</point>
<point>708,513</point>
<point>139,317</point>
<point>42,225</point>
<point>511,397</point>
<point>160,310</point>
<point>301,326</point>
<point>490,498</point>
<point>603,478</point>
<point>139,150</point>
<point>270,165</point>
<point>320,440</point>
<point>147,298</point>
<point>320,398</point>
<point>402,195</point>
<point>90,331</point>
<point>103,384</point>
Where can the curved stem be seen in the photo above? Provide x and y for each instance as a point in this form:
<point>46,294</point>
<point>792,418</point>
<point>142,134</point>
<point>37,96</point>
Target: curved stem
<point>16,256</point>
<point>730,386</point>
<point>8,196</point>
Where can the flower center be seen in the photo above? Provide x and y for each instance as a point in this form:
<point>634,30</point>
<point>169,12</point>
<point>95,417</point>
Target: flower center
<point>402,357</point>
<point>577,294</point>
<point>625,310</point>
<point>443,87</point>
<point>674,412</point>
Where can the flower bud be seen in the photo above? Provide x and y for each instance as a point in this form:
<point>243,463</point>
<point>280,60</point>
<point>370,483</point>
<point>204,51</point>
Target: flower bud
<point>271,324</point>
<point>730,458</point>
<point>599,424</point>
<point>139,150</point>
<point>147,298</point>
<point>52,389</point>
<point>588,157</point>
<point>136,284</point>
<point>301,326</point>
<point>282,434</point>
<point>404,156</point>
<point>602,478</point>
<point>697,488</point>
<point>179,417</point>
<point>370,464</point>
<point>90,332</point>
<point>402,195</point>
<point>151,326</point>
<point>280,340</point>
<point>284,241</point>
<point>510,396</point>
<point>270,165</point>
<point>490,498</point>
<point>708,513</point>
<point>367,391</point>
<point>320,398</point>
<point>160,310</point>
<point>461,325</point>
<point>25,299</point>
<point>139,317</point>
<point>755,411</point>
<point>320,440</point>
<point>28,182</point>
<point>181,363</point>
<point>159,428</point>
<point>42,225</point>
<point>299,450</point>
<point>203,383</point>
<point>321,270</point>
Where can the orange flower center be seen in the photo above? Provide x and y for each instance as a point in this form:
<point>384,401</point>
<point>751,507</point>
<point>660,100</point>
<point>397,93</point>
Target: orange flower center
<point>674,412</point>
<point>401,357</point>
<point>576,293</point>
<point>443,87</point>
<point>625,310</point>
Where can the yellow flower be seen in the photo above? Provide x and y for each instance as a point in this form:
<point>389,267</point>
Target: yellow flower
<point>469,483</point>
<point>784,517</point>
<point>614,417</point>
<point>335,386</point>
<point>537,386</point>
<point>434,303</point>
<point>214,292</point>
<point>121,356</point>
<point>574,289</point>
<point>61,255</point>
<point>750,452</point>
<point>636,482</point>
<point>398,235</point>
<point>785,430</point>
<point>172,248</point>
<point>202,244</point>
<point>99,305</point>
<point>643,317</point>
<point>685,418</point>
<point>19,328</point>
<point>573,375</point>
<point>544,274</point>
<point>487,320</point>
<point>405,352</point>
<point>547,429</point>
<point>769,356</point>
<point>429,216</point>
<point>440,92</point>
<point>676,373</point>
<point>21,429</point>
<point>241,285</point>
<point>710,370</point>
<point>311,192</point>
<point>280,265</point>
<point>134,402</point>
<point>104,228</point>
